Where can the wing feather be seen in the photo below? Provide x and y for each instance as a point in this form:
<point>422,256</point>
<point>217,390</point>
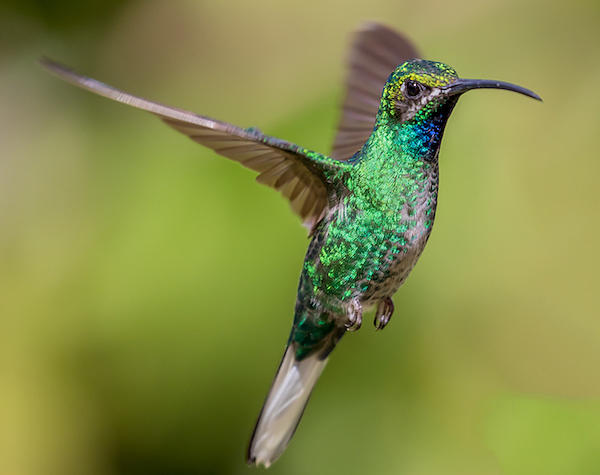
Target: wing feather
<point>376,51</point>
<point>278,162</point>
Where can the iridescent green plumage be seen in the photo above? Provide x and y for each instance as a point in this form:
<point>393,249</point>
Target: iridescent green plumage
<point>370,207</point>
<point>386,196</point>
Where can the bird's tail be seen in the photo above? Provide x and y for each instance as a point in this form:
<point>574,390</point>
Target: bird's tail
<point>285,404</point>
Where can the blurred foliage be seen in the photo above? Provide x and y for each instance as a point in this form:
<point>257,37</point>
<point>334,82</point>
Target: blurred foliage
<point>147,285</point>
<point>63,14</point>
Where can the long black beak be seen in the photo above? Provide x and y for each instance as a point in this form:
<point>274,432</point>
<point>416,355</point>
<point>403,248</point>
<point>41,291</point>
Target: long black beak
<point>463,85</point>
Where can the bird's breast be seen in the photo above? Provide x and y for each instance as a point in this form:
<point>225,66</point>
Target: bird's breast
<point>371,238</point>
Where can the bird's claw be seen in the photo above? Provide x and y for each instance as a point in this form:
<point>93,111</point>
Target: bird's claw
<point>354,316</point>
<point>384,312</point>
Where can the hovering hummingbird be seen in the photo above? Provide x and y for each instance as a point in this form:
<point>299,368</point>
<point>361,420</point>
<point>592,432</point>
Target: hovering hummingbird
<point>369,206</point>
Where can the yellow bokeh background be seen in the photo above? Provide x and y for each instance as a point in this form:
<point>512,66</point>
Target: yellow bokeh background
<point>147,285</point>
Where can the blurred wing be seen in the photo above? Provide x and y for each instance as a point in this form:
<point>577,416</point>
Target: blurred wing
<point>376,51</point>
<point>300,175</point>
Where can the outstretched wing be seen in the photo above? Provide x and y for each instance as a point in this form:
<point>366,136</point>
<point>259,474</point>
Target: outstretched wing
<point>300,175</point>
<point>376,51</point>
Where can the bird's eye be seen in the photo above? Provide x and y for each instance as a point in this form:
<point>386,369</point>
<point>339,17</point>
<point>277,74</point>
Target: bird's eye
<point>413,89</point>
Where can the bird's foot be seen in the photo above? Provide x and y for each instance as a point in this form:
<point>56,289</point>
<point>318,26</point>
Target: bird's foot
<point>384,312</point>
<point>354,315</point>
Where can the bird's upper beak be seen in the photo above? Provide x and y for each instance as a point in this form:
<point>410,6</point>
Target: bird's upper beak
<point>463,85</point>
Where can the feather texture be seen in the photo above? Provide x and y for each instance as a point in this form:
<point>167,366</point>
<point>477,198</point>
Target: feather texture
<point>296,172</point>
<point>284,406</point>
<point>375,52</point>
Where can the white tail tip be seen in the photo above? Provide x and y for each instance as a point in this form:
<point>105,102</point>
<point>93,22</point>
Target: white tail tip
<point>284,406</point>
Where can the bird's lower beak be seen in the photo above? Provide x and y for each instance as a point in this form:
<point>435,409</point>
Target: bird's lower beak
<point>463,85</point>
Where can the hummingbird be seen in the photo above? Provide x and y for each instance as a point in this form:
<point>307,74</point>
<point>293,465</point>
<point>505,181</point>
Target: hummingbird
<point>369,205</point>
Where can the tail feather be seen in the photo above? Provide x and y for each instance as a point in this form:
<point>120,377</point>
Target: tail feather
<point>284,405</point>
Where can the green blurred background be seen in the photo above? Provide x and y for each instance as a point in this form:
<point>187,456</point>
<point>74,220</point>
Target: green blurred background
<point>147,285</point>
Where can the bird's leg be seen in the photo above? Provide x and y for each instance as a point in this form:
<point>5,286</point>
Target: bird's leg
<point>384,312</point>
<point>354,315</point>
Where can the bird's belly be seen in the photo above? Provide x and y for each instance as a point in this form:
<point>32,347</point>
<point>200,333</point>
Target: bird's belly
<point>363,254</point>
<point>390,276</point>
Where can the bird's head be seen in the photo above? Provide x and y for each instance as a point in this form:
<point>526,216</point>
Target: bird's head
<point>420,88</point>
